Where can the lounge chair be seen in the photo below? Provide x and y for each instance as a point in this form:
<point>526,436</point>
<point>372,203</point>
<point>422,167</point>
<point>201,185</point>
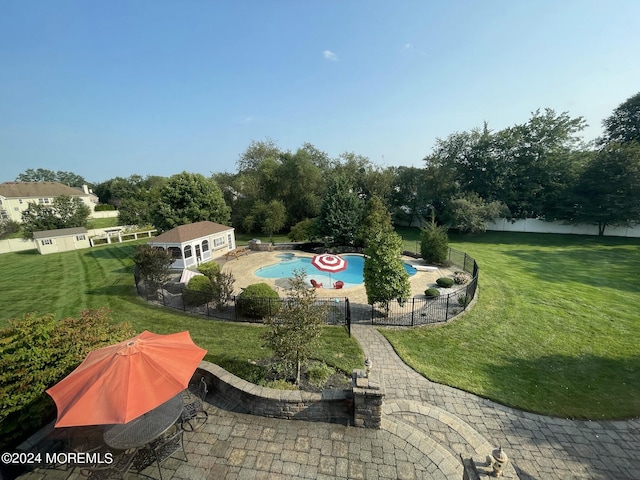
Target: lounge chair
<point>338,285</point>
<point>315,284</point>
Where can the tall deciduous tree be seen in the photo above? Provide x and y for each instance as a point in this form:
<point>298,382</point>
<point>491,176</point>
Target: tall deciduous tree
<point>608,191</point>
<point>44,175</point>
<point>63,212</point>
<point>623,125</point>
<point>268,218</point>
<point>340,213</point>
<point>410,198</point>
<point>470,213</point>
<point>520,166</point>
<point>294,331</point>
<point>187,198</point>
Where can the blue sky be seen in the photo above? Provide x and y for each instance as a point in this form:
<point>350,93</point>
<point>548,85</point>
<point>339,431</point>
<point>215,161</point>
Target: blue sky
<point>106,89</point>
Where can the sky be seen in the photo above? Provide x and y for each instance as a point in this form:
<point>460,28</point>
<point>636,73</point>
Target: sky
<point>155,87</point>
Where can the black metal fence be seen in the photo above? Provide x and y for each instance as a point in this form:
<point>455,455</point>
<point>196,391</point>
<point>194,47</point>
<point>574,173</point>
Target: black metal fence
<point>340,311</point>
<point>234,310</point>
<point>422,310</point>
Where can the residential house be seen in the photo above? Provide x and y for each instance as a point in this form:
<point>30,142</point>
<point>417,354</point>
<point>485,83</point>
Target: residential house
<point>15,197</point>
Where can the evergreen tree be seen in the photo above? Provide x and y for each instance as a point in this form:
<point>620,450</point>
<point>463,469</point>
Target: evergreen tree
<point>434,244</point>
<point>376,218</point>
<point>385,277</point>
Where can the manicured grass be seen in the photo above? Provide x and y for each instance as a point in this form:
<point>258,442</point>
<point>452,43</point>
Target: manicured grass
<point>243,238</point>
<point>102,222</point>
<point>66,283</point>
<point>555,329</point>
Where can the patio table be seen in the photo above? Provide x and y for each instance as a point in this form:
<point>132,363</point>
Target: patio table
<point>143,430</point>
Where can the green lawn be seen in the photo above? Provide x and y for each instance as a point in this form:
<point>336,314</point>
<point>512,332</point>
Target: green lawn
<point>66,283</point>
<point>102,222</point>
<point>555,329</point>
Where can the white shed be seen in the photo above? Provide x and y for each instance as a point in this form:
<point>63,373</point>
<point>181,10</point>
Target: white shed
<point>61,240</point>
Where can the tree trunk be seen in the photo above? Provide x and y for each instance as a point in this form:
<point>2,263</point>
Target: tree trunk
<point>601,227</point>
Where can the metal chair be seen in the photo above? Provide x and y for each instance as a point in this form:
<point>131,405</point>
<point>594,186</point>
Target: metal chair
<point>161,449</point>
<point>194,414</point>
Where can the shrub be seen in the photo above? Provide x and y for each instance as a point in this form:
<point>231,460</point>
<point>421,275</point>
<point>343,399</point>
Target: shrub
<point>432,292</point>
<point>464,300</point>
<point>258,300</point>
<point>281,385</point>
<point>198,291</point>
<point>445,282</point>
<point>209,269</point>
<point>319,374</point>
<point>36,353</point>
<point>460,278</point>
<point>304,230</point>
<point>434,244</point>
<point>8,227</point>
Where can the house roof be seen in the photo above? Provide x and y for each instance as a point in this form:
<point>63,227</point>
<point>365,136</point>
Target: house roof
<point>190,231</point>
<point>37,189</point>
<point>61,232</point>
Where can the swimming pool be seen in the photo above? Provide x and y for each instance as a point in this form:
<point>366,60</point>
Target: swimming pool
<point>289,262</point>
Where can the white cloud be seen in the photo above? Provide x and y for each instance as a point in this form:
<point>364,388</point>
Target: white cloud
<point>408,46</point>
<point>329,55</point>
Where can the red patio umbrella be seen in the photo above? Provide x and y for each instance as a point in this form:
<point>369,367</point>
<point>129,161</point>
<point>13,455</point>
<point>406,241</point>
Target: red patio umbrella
<point>118,383</point>
<point>327,262</point>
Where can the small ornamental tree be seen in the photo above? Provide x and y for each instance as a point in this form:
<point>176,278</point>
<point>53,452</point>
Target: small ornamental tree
<point>222,284</point>
<point>153,265</point>
<point>293,332</point>
<point>385,277</point>
<point>434,244</point>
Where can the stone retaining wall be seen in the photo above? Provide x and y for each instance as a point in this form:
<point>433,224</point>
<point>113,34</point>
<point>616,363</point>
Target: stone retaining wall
<point>241,396</point>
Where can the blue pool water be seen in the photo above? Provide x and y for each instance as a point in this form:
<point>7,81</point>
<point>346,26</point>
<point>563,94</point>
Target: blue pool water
<point>289,262</point>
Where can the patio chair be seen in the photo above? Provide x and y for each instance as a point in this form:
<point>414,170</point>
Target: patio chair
<point>161,449</point>
<point>315,284</point>
<point>194,414</point>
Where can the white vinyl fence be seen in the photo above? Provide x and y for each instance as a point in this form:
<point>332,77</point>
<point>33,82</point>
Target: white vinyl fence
<point>533,225</point>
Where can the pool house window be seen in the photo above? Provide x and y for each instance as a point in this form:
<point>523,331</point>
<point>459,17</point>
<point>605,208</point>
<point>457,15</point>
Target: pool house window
<point>218,242</point>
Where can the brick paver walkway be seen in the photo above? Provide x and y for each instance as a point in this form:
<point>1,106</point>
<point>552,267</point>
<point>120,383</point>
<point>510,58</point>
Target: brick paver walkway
<point>539,447</point>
